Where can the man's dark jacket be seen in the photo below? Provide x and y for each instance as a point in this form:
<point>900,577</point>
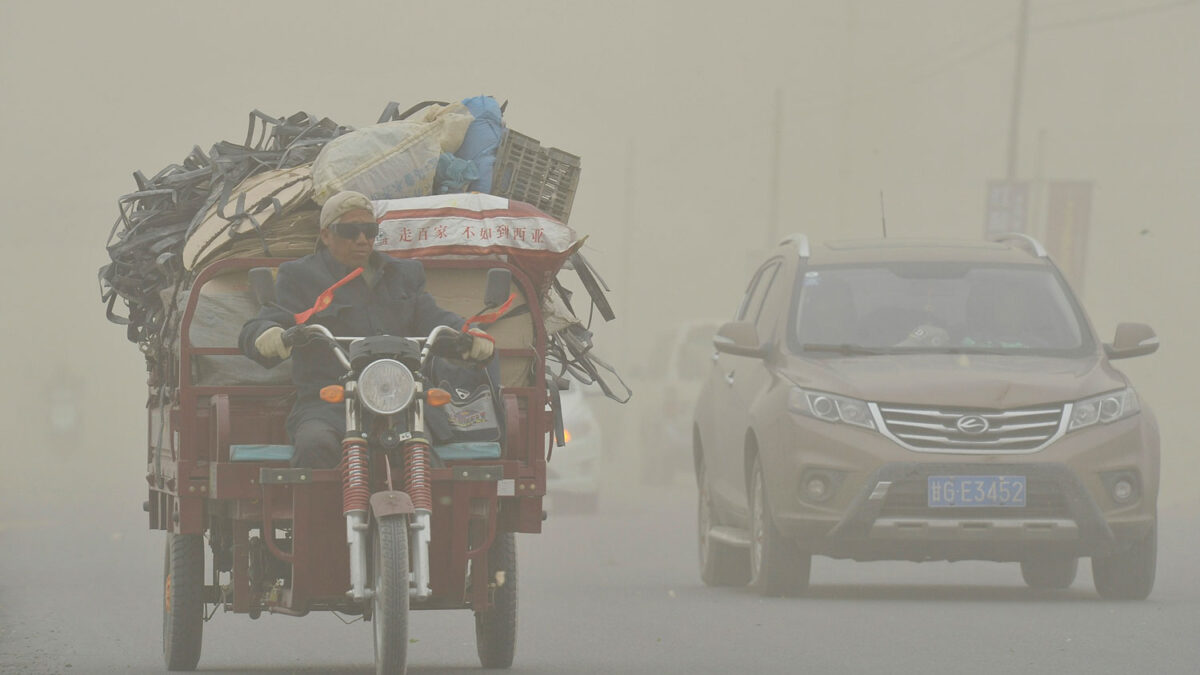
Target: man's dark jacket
<point>388,298</point>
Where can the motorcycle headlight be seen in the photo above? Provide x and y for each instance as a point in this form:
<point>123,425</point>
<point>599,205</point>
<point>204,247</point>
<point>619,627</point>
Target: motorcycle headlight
<point>386,387</point>
<point>830,407</point>
<point>1103,409</point>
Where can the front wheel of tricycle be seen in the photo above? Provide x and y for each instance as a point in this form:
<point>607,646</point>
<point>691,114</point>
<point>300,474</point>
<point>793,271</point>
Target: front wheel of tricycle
<point>496,627</point>
<point>183,601</point>
<point>389,614</point>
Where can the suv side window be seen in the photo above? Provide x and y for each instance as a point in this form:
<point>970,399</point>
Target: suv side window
<point>753,302</point>
<point>767,314</point>
<point>741,310</point>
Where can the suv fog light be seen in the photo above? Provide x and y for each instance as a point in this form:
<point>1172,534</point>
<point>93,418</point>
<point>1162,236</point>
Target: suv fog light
<point>1122,490</point>
<point>1123,486</point>
<point>817,488</point>
<point>818,485</point>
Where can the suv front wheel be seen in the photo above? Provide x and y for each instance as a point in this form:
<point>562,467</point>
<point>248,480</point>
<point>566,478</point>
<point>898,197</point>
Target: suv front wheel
<point>1128,575</point>
<point>777,566</point>
<point>720,563</point>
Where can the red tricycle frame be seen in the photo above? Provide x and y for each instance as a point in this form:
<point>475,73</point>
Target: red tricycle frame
<point>195,489</point>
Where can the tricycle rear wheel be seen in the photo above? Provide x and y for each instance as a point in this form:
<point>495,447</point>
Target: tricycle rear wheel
<point>183,601</point>
<point>496,627</point>
<point>389,614</point>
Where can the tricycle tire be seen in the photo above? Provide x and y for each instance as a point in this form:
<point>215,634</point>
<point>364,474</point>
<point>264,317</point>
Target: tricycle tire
<point>389,615</point>
<point>183,601</point>
<point>496,627</point>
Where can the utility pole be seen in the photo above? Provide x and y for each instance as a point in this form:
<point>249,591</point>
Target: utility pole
<point>1014,119</point>
<point>773,196</point>
<point>846,108</point>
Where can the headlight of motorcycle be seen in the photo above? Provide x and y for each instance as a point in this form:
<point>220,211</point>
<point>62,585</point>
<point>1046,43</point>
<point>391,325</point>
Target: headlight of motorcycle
<point>1103,409</point>
<point>830,407</point>
<point>386,387</point>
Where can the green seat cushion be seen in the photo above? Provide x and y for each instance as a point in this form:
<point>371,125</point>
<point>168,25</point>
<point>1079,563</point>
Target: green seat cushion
<point>283,453</point>
<point>261,453</point>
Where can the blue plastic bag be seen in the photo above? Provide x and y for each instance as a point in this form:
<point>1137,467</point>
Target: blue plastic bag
<point>454,174</point>
<point>482,139</point>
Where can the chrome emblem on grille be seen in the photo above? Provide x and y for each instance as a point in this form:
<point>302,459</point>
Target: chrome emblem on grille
<point>972,424</point>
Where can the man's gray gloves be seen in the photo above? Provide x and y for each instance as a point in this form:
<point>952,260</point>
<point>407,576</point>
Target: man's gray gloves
<point>270,344</point>
<point>481,347</point>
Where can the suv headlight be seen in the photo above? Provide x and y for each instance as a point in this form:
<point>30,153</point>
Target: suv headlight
<point>1103,409</point>
<point>386,387</point>
<point>830,407</point>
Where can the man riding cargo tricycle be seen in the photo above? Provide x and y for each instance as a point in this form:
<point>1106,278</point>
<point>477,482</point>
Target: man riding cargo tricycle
<point>326,429</point>
<point>435,473</point>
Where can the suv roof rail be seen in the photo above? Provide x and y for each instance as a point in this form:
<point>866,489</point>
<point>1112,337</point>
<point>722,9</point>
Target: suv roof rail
<point>1034,244</point>
<point>801,242</point>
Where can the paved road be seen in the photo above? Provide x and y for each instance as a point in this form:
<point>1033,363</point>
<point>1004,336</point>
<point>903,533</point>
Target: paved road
<point>612,593</point>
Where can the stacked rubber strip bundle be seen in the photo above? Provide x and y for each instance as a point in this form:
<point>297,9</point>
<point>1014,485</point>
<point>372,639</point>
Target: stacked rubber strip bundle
<point>155,221</point>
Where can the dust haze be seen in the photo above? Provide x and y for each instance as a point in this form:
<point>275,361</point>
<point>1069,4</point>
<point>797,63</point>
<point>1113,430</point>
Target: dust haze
<point>707,130</point>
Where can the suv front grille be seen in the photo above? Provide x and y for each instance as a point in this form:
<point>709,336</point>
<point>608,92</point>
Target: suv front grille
<point>964,430</point>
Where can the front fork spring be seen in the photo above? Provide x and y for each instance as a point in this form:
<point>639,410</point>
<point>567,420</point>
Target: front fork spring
<point>416,476</point>
<point>356,488</point>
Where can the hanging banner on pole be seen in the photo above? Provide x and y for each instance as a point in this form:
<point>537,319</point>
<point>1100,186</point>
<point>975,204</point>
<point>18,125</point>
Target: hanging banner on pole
<point>1068,219</point>
<point>1007,208</point>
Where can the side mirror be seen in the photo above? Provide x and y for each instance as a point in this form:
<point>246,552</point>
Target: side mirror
<point>1132,339</point>
<point>499,281</point>
<point>262,282</point>
<point>739,338</point>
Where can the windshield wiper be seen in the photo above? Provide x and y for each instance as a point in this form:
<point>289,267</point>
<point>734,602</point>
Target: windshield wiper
<point>844,348</point>
<point>982,350</point>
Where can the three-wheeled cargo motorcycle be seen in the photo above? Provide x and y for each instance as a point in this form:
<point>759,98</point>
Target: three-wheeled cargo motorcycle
<point>403,524</point>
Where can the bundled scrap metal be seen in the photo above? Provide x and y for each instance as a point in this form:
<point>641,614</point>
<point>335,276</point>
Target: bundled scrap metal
<point>147,240</point>
<point>571,346</point>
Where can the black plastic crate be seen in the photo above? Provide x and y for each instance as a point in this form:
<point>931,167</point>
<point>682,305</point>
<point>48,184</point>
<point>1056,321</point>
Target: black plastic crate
<point>544,177</point>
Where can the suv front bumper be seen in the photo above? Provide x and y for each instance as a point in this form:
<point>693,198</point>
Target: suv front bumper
<point>890,519</point>
<point>879,509</point>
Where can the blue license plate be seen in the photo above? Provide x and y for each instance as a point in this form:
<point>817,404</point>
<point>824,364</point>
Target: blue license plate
<point>959,491</point>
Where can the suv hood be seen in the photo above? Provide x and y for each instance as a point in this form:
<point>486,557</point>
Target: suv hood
<point>961,380</point>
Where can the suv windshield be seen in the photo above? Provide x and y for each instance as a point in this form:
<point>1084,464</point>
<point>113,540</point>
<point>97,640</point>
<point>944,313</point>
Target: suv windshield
<point>936,307</point>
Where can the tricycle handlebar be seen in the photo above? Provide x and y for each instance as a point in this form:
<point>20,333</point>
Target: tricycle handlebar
<point>435,344</point>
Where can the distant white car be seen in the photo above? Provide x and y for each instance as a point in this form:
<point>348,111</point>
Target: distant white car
<point>666,396</point>
<point>573,472</point>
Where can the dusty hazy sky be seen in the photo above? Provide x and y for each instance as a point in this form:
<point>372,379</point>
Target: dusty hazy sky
<point>671,107</point>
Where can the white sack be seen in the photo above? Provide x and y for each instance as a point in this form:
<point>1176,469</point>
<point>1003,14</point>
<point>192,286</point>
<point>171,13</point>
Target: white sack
<point>390,160</point>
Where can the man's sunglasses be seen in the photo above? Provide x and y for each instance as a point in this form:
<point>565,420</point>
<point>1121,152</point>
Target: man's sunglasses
<point>352,230</point>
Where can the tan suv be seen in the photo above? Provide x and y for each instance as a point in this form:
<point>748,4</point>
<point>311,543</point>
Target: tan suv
<point>923,400</point>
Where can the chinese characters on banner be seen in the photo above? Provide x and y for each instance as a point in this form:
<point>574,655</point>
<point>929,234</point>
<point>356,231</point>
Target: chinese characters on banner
<point>1068,218</point>
<point>460,233</point>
